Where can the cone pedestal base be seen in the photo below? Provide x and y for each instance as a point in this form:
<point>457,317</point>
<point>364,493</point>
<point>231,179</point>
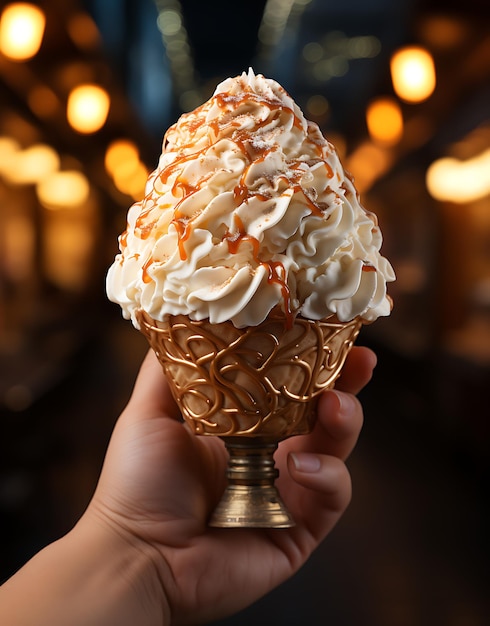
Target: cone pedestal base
<point>251,499</point>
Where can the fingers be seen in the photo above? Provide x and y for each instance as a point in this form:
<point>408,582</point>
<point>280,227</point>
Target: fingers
<point>319,488</point>
<point>326,475</point>
<point>357,370</point>
<point>340,414</point>
<point>336,431</point>
<point>339,423</point>
<point>317,484</point>
<point>151,394</point>
<point>316,461</point>
<point>322,491</point>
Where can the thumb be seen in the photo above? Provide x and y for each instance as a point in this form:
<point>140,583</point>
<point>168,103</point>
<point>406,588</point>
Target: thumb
<point>151,395</point>
<point>327,494</point>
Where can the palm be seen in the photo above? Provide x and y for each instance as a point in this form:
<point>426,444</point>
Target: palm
<point>160,482</point>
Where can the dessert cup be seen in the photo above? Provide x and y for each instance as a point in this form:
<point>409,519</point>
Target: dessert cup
<point>253,387</point>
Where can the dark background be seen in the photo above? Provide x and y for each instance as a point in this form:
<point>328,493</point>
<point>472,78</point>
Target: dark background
<point>411,550</point>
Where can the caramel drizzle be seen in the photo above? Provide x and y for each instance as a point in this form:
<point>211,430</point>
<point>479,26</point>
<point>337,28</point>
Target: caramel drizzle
<point>243,139</point>
<point>236,239</point>
<point>223,100</point>
<point>145,275</point>
<point>276,273</point>
<point>123,239</point>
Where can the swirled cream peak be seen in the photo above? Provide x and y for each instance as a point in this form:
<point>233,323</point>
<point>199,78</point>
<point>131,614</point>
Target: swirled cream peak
<point>249,210</point>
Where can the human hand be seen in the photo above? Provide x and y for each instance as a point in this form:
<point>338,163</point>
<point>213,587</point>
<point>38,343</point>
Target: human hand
<point>160,483</point>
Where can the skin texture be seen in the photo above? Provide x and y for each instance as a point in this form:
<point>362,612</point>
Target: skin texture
<point>143,553</point>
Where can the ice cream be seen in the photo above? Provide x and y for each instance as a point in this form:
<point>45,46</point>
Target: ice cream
<point>249,212</point>
<point>250,266</point>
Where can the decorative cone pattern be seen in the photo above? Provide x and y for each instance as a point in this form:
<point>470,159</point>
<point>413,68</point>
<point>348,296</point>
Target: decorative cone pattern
<point>260,381</point>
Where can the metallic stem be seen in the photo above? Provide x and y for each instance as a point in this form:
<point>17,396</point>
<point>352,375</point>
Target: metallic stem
<point>251,498</point>
<point>251,464</point>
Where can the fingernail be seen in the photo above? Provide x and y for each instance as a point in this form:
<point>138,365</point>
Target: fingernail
<point>374,359</point>
<point>346,403</point>
<point>305,462</point>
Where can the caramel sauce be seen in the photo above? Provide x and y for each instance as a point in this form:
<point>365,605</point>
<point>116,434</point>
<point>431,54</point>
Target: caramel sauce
<point>329,169</point>
<point>183,226</point>
<point>277,275</point>
<point>193,125</point>
<point>187,189</point>
<point>146,277</point>
<point>183,223</point>
<point>243,139</point>
<point>146,229</point>
<point>240,194</point>
<point>171,168</point>
<point>368,268</point>
<point>223,100</point>
<point>123,239</point>
<point>235,239</point>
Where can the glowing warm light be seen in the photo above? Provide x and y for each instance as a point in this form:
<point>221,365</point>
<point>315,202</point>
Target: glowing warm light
<point>63,190</point>
<point>83,31</point>
<point>68,246</point>
<point>452,180</point>
<point>87,108</point>
<point>21,30</point>
<point>443,31</point>
<point>18,246</point>
<point>413,74</point>
<point>8,149</point>
<point>385,121</point>
<point>121,153</point>
<point>132,182</point>
<point>340,143</point>
<point>317,105</point>
<point>29,166</point>
<point>43,101</point>
<point>123,164</point>
<point>367,163</point>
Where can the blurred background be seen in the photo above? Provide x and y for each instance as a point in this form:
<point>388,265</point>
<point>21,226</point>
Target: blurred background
<point>87,90</point>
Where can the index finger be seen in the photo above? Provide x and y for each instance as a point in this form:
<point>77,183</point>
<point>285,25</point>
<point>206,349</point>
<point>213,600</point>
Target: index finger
<point>357,370</point>
<point>151,394</point>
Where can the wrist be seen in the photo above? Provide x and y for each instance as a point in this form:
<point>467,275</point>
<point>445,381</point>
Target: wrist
<point>130,571</point>
<point>93,575</point>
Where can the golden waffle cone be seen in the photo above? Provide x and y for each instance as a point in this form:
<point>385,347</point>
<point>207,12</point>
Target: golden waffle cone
<point>253,387</point>
<point>256,381</point>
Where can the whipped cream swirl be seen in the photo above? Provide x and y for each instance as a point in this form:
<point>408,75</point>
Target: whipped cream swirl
<point>249,210</point>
